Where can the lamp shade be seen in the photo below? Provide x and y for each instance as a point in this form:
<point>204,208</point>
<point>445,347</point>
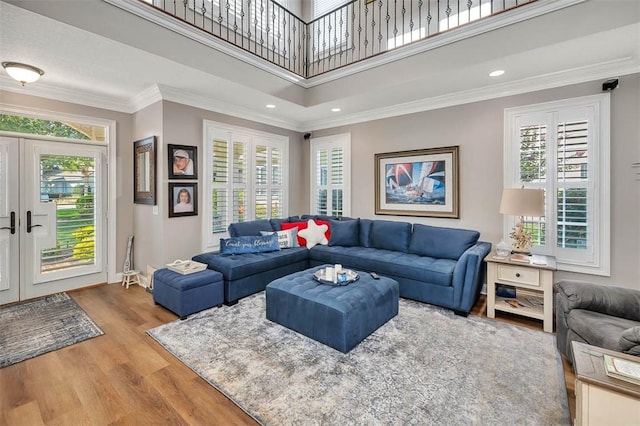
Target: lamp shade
<point>22,72</point>
<point>522,202</point>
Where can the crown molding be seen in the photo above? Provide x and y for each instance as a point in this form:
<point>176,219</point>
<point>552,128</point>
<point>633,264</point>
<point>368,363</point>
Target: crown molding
<point>205,102</point>
<point>620,67</point>
<point>76,96</point>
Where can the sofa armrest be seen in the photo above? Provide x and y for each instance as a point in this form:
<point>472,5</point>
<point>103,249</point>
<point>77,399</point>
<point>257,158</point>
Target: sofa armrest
<point>630,341</point>
<point>616,301</point>
<point>468,276</point>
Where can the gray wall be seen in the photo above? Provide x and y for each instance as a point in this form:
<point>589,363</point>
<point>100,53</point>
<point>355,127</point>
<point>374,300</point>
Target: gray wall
<point>182,125</point>
<point>478,129</point>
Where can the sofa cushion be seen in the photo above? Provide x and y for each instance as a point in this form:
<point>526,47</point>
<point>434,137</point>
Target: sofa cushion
<point>442,243</point>
<point>389,235</point>
<point>364,232</point>
<point>287,238</point>
<point>240,266</point>
<point>599,329</point>
<point>303,225</point>
<point>249,244</point>
<point>314,233</point>
<point>344,233</point>
<point>252,227</point>
<point>388,262</point>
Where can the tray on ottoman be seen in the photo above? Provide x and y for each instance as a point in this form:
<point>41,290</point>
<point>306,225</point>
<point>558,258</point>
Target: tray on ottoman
<point>338,316</point>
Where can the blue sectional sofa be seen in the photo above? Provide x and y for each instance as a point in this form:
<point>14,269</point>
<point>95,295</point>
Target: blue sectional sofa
<point>436,265</point>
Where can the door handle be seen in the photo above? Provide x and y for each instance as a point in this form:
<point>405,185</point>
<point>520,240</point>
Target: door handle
<point>29,225</point>
<point>13,223</point>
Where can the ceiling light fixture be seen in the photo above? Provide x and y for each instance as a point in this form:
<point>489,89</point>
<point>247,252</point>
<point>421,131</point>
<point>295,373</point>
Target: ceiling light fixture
<point>270,106</point>
<point>496,73</point>
<point>335,110</point>
<point>22,72</point>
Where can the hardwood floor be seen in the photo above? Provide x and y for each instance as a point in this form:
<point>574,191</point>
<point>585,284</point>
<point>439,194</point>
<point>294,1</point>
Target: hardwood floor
<point>125,377</point>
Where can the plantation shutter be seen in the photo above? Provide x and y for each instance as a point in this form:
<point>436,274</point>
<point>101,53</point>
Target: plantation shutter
<point>219,183</point>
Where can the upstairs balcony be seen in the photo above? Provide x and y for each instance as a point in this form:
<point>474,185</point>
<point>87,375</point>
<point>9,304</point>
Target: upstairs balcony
<point>354,32</point>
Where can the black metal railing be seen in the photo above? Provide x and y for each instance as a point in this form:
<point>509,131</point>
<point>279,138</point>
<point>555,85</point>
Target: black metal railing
<point>356,31</point>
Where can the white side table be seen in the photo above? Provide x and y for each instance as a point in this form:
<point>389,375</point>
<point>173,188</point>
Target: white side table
<point>533,284</point>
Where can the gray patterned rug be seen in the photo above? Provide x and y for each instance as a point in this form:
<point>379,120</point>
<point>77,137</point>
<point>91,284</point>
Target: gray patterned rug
<point>426,366</point>
<point>42,325</point>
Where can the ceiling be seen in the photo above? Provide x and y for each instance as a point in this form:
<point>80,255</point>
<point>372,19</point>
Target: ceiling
<point>107,63</point>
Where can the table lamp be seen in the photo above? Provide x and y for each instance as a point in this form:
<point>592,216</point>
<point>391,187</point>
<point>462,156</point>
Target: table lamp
<point>522,202</point>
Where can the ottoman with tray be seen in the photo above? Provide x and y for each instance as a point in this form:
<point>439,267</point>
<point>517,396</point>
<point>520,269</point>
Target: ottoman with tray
<point>190,293</point>
<point>340,316</point>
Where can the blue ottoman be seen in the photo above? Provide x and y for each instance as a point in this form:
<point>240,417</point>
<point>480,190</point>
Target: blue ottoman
<point>186,294</point>
<point>338,316</point>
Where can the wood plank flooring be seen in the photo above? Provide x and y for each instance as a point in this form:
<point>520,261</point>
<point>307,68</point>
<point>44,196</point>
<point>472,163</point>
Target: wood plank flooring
<point>125,377</point>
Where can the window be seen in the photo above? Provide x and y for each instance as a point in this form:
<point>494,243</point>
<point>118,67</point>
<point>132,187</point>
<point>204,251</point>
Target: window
<point>246,177</point>
<point>563,148</point>
<point>322,7</point>
<point>330,175</point>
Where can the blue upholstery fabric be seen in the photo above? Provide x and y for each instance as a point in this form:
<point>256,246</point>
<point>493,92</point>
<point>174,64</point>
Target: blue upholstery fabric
<point>187,294</point>
<point>245,274</point>
<point>444,243</point>
<point>252,227</point>
<point>364,234</point>
<point>250,244</point>
<point>344,233</point>
<point>388,235</point>
<point>276,224</point>
<point>338,316</point>
<point>387,262</point>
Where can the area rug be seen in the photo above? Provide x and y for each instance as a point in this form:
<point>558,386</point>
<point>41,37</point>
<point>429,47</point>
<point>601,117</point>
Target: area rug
<point>425,366</point>
<point>42,325</point>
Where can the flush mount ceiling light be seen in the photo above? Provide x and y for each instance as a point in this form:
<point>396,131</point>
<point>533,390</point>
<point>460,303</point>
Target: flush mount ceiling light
<point>22,72</point>
<point>270,106</point>
<point>496,73</point>
<point>335,109</point>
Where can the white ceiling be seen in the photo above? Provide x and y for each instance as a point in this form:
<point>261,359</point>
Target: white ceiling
<point>124,62</point>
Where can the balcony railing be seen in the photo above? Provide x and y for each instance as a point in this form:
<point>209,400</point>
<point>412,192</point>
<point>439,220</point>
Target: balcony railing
<point>356,31</point>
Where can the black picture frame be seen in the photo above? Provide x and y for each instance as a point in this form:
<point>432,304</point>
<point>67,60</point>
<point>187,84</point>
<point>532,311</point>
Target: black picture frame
<point>181,169</point>
<point>175,207</point>
<point>144,171</point>
<point>422,182</point>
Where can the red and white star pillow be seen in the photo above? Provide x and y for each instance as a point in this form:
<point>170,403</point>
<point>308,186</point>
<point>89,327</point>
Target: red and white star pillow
<point>314,234</point>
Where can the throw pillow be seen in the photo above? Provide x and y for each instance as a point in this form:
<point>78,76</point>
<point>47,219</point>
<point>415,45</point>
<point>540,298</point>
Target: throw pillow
<point>249,244</point>
<point>314,234</point>
<point>286,239</point>
<point>344,233</point>
<point>303,225</point>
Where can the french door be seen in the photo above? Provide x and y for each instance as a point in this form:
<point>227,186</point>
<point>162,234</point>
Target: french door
<point>52,217</point>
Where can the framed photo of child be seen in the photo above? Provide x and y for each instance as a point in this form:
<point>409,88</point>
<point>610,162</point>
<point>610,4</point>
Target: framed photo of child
<point>183,199</point>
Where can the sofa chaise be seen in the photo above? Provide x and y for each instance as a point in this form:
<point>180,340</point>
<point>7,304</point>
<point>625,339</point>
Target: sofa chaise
<point>436,265</point>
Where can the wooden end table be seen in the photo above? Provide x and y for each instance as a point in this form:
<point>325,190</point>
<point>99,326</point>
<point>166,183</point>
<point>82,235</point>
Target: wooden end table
<point>601,399</point>
<point>533,284</point>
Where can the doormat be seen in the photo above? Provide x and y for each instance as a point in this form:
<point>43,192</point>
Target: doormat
<point>38,326</point>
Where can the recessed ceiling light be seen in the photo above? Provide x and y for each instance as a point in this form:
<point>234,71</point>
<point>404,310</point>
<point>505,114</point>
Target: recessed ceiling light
<point>270,106</point>
<point>335,109</point>
<point>496,73</point>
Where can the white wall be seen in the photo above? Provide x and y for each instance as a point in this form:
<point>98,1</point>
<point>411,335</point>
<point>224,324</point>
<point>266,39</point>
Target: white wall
<point>478,129</point>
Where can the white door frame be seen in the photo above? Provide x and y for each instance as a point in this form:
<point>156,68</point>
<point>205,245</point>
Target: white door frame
<point>111,180</point>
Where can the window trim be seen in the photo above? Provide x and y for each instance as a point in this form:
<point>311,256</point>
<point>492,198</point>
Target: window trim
<point>210,239</point>
<point>342,141</point>
<point>599,161</point>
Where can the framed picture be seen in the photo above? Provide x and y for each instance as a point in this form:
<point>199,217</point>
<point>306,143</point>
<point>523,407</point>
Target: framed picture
<point>418,183</point>
<point>183,161</point>
<point>183,199</point>
<point>144,171</point>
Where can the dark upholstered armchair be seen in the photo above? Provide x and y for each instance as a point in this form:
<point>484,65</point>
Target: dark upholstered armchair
<point>603,316</point>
